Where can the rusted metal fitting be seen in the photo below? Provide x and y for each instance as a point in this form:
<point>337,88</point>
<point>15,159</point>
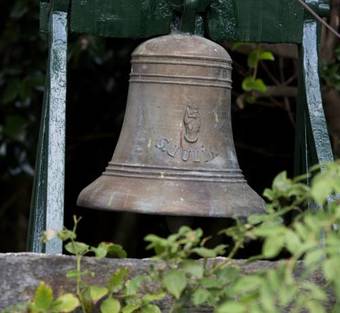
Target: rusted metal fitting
<point>189,9</point>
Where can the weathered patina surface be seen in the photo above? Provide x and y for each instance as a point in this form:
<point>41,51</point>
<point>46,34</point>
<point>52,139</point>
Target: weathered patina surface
<point>176,153</point>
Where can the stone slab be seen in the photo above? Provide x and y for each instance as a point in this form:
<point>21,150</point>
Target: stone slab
<point>20,274</point>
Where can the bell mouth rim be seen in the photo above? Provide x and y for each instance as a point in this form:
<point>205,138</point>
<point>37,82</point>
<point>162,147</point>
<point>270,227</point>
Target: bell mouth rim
<point>136,195</point>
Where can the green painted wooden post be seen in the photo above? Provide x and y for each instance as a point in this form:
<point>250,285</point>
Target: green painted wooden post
<point>37,218</point>
<point>313,92</point>
<point>312,141</point>
<point>47,211</point>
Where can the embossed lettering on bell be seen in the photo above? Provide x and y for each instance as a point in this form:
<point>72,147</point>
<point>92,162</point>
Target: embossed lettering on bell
<point>176,154</point>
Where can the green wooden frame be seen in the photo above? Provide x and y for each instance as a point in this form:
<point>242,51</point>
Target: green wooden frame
<point>271,21</point>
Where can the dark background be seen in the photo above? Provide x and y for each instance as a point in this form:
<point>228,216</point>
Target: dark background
<point>264,131</point>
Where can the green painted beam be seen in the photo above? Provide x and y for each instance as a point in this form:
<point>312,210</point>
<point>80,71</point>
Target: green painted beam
<point>234,20</point>
<point>121,18</point>
<point>272,21</point>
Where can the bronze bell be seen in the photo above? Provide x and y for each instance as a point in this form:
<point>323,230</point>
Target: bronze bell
<point>175,153</point>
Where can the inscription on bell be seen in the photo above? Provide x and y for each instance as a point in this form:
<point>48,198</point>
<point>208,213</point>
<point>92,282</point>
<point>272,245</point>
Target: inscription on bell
<point>192,123</point>
<point>196,154</point>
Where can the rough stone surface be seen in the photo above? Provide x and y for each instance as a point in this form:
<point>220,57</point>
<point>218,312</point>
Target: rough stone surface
<point>20,274</point>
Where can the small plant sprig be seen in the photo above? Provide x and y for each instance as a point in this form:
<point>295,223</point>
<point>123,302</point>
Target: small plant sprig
<point>88,295</point>
<point>120,293</point>
<point>311,239</point>
<point>186,280</point>
<point>44,302</point>
<point>251,84</point>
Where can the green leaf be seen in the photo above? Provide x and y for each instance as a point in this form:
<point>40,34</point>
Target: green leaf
<point>133,285</point>
<point>282,183</point>
<point>259,55</point>
<point>157,243</point>
<point>76,274</point>
<point>97,293</point>
<point>231,307</point>
<point>194,268</point>
<point>272,246</point>
<point>116,250</point>
<point>210,283</point>
<point>315,307</point>
<point>315,292</point>
<point>331,268</point>
<point>287,294</point>
<point>247,284</point>
<point>43,297</point>
<point>175,282</point>
<point>269,194</point>
<point>253,59</point>
<point>227,274</point>
<point>66,303</point>
<point>110,305</point>
<point>266,56</point>
<point>66,234</point>
<point>109,249</point>
<point>321,189</point>
<point>256,218</point>
<point>220,250</point>
<point>131,307</point>
<point>117,280</point>
<point>77,248</point>
<point>204,252</point>
<point>252,84</point>
<point>100,252</point>
<point>153,297</point>
<point>270,229</point>
<point>200,296</point>
<point>150,308</point>
<point>293,242</point>
<point>314,257</point>
<point>267,297</point>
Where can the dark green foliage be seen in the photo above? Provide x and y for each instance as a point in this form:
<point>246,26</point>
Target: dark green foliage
<point>21,85</point>
<point>331,72</point>
<point>22,66</point>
